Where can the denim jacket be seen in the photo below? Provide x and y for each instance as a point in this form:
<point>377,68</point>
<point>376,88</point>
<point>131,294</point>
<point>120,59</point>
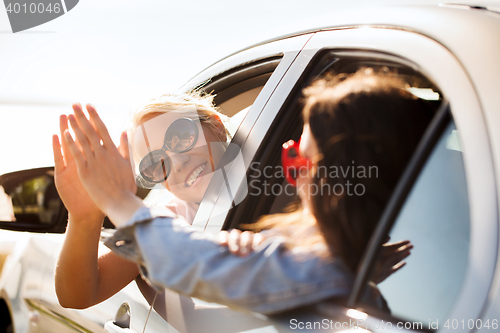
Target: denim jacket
<point>172,254</point>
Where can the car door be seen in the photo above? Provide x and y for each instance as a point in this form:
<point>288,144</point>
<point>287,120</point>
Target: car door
<point>459,245</point>
<point>448,276</point>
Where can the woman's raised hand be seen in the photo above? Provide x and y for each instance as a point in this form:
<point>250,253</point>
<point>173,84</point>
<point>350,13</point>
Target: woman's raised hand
<point>104,170</point>
<point>74,196</point>
<point>391,259</point>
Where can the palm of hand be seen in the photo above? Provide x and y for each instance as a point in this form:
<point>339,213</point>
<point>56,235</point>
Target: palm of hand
<point>73,194</point>
<point>391,259</point>
<point>80,171</point>
<point>117,176</point>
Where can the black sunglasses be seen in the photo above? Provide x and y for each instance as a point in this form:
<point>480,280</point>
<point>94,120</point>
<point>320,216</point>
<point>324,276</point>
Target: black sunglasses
<point>181,136</point>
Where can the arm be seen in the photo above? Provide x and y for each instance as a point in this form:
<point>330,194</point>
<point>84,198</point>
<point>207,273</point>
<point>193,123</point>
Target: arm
<point>82,278</point>
<point>174,255</point>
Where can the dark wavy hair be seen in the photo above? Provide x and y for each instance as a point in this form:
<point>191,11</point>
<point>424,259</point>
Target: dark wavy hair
<point>363,119</point>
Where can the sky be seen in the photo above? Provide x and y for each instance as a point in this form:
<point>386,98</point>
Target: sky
<point>117,54</point>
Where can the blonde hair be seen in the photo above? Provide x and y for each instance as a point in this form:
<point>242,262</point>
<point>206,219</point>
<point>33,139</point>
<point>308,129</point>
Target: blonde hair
<point>177,102</point>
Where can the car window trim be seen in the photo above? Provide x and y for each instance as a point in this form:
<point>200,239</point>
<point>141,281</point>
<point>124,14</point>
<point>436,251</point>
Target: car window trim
<point>211,197</point>
<point>244,72</point>
<point>398,198</point>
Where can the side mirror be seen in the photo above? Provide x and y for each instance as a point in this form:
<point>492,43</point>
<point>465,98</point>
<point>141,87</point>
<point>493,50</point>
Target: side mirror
<point>29,202</point>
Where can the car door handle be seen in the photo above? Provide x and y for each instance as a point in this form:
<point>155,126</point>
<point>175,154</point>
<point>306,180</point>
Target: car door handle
<point>121,322</point>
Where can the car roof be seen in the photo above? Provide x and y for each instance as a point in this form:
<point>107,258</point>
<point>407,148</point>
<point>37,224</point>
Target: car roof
<point>431,20</point>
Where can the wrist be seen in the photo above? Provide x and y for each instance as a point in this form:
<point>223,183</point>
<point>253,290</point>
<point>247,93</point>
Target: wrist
<point>93,219</point>
<point>122,207</point>
<point>84,228</point>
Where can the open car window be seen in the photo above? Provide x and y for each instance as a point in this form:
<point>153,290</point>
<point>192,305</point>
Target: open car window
<point>234,94</point>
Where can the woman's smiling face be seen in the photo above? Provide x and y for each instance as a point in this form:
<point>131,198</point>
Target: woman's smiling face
<point>191,171</point>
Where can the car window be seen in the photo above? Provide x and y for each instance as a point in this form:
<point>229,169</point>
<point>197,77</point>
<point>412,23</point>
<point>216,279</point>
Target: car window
<point>435,218</point>
<point>234,92</point>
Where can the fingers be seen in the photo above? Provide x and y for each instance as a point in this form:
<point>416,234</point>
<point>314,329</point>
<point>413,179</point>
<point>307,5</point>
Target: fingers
<point>74,150</point>
<point>81,138</point>
<point>233,241</point>
<point>99,126</point>
<point>397,267</point>
<point>123,148</point>
<point>58,157</point>
<point>396,245</point>
<point>63,126</point>
<point>240,243</point>
<point>257,240</point>
<point>87,127</point>
<point>400,243</point>
<point>223,237</point>
<point>397,257</point>
<point>395,253</point>
<point>245,243</point>
<point>389,249</point>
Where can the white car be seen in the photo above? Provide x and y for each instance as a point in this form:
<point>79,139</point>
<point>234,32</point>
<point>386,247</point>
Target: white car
<point>446,202</point>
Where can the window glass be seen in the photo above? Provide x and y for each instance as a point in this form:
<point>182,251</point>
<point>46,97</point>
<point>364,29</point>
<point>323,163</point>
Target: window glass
<point>35,200</point>
<point>435,218</point>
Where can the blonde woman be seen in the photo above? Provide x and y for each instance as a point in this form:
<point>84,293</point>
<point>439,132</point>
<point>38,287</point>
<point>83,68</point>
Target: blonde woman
<point>163,158</point>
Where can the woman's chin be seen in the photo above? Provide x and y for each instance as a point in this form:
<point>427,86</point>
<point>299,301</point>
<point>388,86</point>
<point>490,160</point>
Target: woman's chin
<point>200,186</point>
<point>193,193</point>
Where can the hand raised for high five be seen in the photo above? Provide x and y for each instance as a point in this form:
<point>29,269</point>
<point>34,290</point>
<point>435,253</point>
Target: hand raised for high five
<point>391,259</point>
<point>103,169</point>
<point>74,196</point>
